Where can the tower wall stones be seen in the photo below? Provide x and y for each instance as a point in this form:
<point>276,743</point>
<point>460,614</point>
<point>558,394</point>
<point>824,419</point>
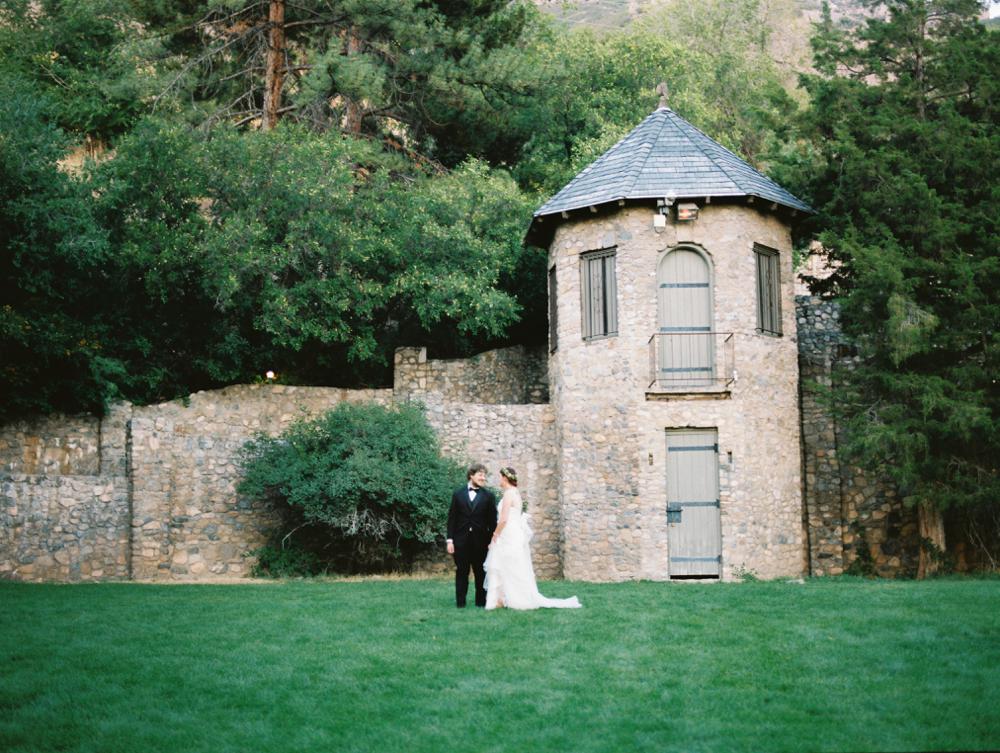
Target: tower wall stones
<point>612,425</point>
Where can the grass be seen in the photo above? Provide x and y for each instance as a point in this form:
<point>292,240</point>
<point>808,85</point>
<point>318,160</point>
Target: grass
<point>828,665</point>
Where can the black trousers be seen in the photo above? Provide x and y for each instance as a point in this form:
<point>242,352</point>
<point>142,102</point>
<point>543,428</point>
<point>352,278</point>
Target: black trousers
<point>472,554</point>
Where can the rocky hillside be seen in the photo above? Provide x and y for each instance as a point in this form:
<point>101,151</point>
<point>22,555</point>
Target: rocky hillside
<point>615,14</point>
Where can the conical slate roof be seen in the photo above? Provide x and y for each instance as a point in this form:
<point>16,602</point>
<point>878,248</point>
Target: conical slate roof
<point>666,156</point>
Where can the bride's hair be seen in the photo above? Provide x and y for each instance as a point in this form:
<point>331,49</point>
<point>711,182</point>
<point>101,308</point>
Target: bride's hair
<point>510,474</point>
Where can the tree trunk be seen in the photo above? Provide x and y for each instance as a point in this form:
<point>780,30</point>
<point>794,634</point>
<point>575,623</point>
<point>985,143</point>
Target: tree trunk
<point>274,67</point>
<point>931,529</point>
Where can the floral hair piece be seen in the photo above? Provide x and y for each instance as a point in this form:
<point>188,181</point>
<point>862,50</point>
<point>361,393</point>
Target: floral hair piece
<point>510,474</point>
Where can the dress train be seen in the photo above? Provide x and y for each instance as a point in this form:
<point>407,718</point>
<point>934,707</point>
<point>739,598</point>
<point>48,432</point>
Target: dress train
<point>510,575</point>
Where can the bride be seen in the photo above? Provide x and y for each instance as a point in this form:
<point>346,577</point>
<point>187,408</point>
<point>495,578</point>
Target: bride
<point>510,577</point>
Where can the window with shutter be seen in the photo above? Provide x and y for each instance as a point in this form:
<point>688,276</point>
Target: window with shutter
<point>768,290</point>
<point>599,290</point>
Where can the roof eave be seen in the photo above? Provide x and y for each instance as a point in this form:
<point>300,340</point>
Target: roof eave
<point>543,235</point>
<point>797,207</point>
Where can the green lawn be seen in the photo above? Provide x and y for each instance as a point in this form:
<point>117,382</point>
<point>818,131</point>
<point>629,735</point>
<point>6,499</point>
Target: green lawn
<point>829,665</point>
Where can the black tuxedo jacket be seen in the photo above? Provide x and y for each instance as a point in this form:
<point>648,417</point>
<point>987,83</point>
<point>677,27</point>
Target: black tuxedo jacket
<point>472,523</point>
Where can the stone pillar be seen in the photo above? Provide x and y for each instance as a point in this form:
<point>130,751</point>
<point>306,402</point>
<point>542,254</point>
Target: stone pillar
<point>409,372</point>
<point>819,336</point>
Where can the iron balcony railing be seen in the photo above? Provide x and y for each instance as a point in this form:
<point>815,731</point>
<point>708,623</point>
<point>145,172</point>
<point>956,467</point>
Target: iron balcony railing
<point>691,360</point>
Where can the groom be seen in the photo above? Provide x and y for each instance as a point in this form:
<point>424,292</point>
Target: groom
<point>471,522</point>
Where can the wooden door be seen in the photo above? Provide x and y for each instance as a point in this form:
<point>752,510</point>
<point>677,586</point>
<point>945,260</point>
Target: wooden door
<point>694,532</point>
<point>686,353</point>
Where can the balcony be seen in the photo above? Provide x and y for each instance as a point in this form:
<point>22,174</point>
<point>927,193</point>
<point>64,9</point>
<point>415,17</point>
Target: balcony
<point>691,363</point>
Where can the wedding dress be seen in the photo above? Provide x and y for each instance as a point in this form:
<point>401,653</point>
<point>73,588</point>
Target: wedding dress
<point>510,577</point>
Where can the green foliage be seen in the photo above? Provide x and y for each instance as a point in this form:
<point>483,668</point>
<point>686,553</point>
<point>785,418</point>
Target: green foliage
<point>315,258</point>
<point>745,574</point>
<point>434,79</point>
<point>95,63</point>
<point>863,564</point>
<point>598,87</point>
<point>187,262</point>
<point>53,258</point>
<point>901,163</point>
<point>367,482</point>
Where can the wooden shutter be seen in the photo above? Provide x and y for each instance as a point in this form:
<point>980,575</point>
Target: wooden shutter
<point>768,290</point>
<point>686,344</point>
<point>610,296</point>
<point>599,289</point>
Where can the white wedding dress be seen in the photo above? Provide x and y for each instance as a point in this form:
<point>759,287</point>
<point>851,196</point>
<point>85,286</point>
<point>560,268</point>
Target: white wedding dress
<point>510,577</point>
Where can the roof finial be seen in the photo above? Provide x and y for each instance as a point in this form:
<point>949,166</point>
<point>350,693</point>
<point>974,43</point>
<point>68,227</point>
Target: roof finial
<point>664,93</point>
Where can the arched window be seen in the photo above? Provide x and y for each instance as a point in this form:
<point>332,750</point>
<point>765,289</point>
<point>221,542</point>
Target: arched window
<point>685,341</point>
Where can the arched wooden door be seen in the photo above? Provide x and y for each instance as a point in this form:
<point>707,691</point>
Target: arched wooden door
<point>685,348</point>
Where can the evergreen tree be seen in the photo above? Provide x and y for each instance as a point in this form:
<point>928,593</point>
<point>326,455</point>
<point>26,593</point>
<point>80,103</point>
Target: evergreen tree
<point>96,66</point>
<point>431,79</point>
<point>901,163</point>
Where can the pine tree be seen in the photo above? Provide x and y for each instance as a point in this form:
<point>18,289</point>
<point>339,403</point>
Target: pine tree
<point>903,170</point>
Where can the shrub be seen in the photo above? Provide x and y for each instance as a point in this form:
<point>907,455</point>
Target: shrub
<point>363,488</point>
<point>276,561</point>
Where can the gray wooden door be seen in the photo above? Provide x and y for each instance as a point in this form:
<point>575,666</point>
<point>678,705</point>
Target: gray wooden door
<point>685,345</point>
<point>694,533</point>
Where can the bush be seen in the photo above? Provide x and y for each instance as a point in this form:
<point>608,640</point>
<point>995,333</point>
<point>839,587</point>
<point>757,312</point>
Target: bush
<point>363,488</point>
<point>276,561</point>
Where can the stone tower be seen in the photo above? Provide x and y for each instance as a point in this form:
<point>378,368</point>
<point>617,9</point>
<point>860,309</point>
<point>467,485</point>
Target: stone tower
<point>673,365</point>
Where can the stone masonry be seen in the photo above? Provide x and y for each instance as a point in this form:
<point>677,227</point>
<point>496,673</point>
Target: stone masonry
<point>855,522</point>
<point>64,498</point>
<point>150,492</point>
<point>611,427</point>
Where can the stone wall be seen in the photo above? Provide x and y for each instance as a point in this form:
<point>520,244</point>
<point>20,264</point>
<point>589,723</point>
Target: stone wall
<point>187,519</point>
<point>64,497</point>
<point>150,492</point>
<point>60,445</point>
<point>855,522</point>
<point>509,375</point>
<point>63,527</point>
